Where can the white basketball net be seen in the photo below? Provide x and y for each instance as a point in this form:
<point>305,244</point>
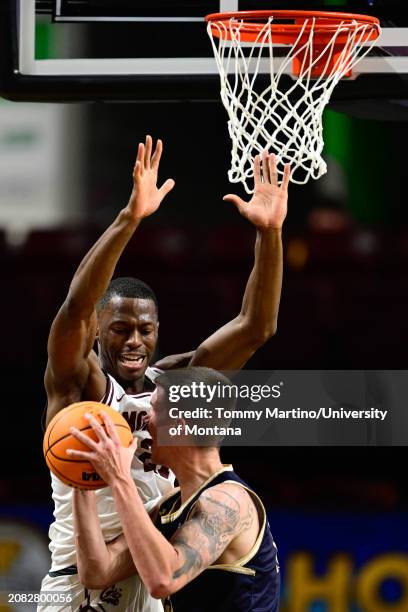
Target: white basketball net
<point>285,121</point>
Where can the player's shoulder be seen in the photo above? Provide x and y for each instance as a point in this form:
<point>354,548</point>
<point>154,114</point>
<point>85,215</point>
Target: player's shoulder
<point>225,496</point>
<point>225,505</point>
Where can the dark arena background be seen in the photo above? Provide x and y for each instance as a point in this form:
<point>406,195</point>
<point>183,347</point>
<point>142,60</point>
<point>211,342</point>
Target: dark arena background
<point>339,514</point>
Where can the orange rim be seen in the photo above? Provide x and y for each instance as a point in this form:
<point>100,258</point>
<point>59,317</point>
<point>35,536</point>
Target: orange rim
<point>325,26</point>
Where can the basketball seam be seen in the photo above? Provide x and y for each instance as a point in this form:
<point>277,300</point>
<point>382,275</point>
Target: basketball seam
<point>60,415</point>
<point>83,429</point>
<point>68,460</point>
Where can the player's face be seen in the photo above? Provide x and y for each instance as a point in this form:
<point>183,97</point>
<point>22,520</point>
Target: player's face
<point>128,329</point>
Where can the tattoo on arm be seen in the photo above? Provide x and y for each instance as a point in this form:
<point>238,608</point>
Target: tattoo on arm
<point>220,519</point>
<point>216,519</point>
<point>192,560</point>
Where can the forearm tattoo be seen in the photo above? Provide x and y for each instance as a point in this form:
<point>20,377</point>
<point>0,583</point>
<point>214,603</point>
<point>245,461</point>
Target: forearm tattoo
<point>215,520</point>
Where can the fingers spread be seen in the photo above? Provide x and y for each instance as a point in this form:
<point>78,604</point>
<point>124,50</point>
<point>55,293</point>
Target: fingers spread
<point>97,427</point>
<point>286,176</point>
<point>148,152</point>
<point>80,454</point>
<point>166,187</point>
<point>110,428</point>
<point>157,155</point>
<point>140,152</point>
<point>266,170</point>
<point>236,200</point>
<point>257,169</point>
<point>137,172</point>
<point>265,167</point>
<point>273,172</point>
<point>79,435</point>
<point>139,160</point>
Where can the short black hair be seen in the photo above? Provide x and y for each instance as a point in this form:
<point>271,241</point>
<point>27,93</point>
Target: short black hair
<point>126,287</point>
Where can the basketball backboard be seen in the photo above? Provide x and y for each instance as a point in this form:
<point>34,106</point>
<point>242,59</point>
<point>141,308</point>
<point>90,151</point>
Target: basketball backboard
<point>156,50</point>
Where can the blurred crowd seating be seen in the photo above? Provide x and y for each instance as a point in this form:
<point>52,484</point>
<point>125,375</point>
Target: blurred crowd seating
<point>344,299</point>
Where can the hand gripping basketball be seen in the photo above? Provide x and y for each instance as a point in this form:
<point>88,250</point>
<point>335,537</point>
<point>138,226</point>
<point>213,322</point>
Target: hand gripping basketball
<point>76,470</point>
<point>108,456</point>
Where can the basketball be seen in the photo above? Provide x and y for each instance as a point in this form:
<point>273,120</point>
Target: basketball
<point>57,439</point>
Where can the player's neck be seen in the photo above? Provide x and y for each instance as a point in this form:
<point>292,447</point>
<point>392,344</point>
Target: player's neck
<point>193,468</point>
<point>135,387</point>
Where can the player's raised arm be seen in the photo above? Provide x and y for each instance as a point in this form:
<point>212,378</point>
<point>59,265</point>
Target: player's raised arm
<point>171,362</point>
<point>71,364</point>
<point>234,343</point>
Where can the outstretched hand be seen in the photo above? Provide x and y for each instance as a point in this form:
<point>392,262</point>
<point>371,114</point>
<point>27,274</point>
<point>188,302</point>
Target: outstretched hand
<point>146,197</point>
<point>269,204</point>
<point>109,458</point>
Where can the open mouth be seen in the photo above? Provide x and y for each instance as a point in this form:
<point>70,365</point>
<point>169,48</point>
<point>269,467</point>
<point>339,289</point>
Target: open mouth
<point>132,361</point>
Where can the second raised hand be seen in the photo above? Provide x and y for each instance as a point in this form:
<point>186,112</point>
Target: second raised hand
<point>268,207</point>
<point>146,197</point>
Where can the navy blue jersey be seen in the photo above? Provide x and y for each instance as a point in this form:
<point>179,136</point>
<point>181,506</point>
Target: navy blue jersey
<point>250,584</point>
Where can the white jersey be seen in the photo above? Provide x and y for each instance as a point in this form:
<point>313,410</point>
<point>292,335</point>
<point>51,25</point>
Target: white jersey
<point>152,481</point>
<point>129,595</point>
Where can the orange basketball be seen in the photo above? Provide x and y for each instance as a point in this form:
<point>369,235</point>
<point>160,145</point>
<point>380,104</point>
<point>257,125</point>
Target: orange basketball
<point>57,439</point>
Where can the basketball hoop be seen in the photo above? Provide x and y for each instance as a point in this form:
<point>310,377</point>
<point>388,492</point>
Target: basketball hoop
<point>320,48</point>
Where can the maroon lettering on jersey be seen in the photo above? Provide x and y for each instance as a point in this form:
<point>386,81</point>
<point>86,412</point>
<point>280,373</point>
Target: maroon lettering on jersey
<point>136,420</point>
<point>146,458</point>
<point>130,418</point>
<point>141,422</point>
